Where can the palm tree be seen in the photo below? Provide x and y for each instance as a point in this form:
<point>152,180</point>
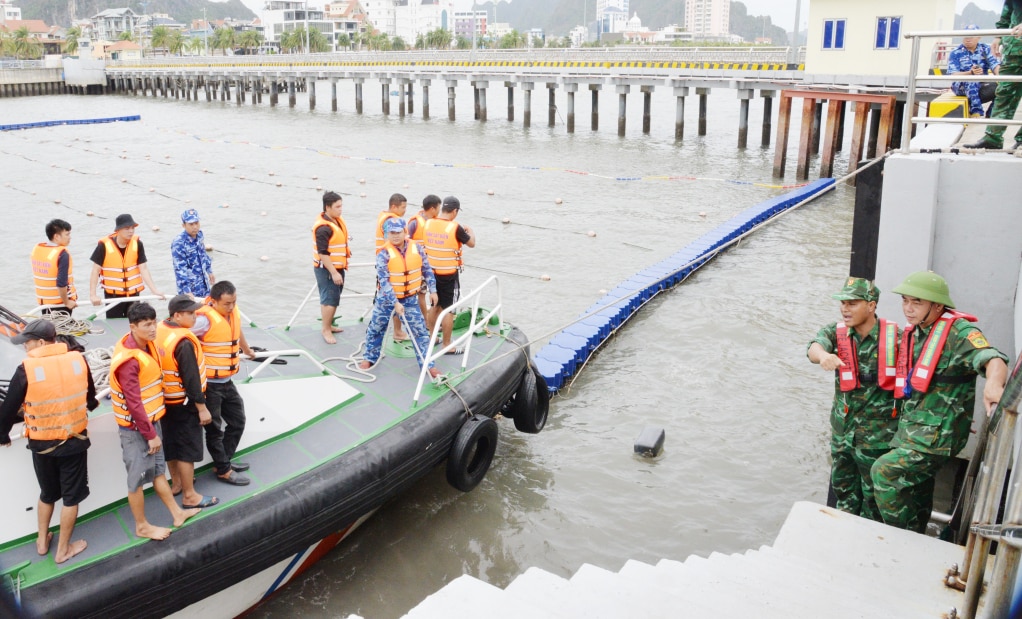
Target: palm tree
<point>250,40</point>
<point>462,42</point>
<point>420,41</point>
<point>23,45</point>
<point>317,41</point>
<point>398,44</point>
<point>176,42</point>
<point>364,39</point>
<point>223,39</point>
<point>292,40</point>
<point>159,38</point>
<point>344,41</point>
<point>442,38</point>
<point>126,36</point>
<point>195,45</point>
<point>71,40</point>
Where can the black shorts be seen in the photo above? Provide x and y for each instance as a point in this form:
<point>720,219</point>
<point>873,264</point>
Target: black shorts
<point>182,434</point>
<point>448,290</point>
<point>120,310</point>
<point>65,477</point>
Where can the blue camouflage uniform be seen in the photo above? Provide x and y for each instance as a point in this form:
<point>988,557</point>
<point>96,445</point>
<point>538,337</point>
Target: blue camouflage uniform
<point>192,265</point>
<point>961,59</point>
<point>415,323</point>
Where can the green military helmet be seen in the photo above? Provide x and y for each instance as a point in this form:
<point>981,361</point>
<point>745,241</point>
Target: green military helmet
<point>928,286</point>
<point>857,288</point>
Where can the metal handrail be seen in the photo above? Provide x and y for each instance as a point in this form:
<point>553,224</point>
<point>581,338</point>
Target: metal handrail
<point>431,354</point>
<point>910,101</point>
<point>984,527</point>
<point>109,303</point>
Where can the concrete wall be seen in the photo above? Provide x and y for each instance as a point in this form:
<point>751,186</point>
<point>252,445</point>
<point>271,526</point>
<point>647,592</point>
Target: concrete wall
<point>859,57</point>
<point>84,71</point>
<point>30,76</point>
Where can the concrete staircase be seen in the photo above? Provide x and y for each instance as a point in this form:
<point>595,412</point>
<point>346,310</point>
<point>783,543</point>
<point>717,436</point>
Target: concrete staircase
<point>824,563</point>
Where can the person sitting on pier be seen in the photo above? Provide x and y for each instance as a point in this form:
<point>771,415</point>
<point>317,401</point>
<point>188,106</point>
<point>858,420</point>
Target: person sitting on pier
<point>330,259</point>
<point>401,267</point>
<point>973,58</point>
<point>417,232</point>
<point>51,269</point>
<point>120,259</point>
<point>940,354</point>
<point>193,268</point>
<point>136,388</point>
<point>444,240</point>
<point>1008,94</point>
<point>396,207</point>
<point>55,386</point>
<point>860,351</point>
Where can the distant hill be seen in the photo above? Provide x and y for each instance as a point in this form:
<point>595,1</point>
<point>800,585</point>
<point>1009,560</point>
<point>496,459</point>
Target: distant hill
<point>61,12</point>
<point>972,14</point>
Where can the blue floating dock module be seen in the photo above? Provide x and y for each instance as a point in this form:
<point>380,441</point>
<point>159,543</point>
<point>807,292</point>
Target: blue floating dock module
<point>55,123</point>
<point>567,351</point>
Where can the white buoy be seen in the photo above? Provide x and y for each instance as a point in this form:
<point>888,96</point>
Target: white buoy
<point>156,228</point>
<point>361,181</point>
<point>70,169</point>
<point>319,188</point>
<point>405,185</point>
<point>264,258</point>
<point>231,166</point>
<point>602,291</point>
<point>33,193</point>
<point>225,205</point>
<point>362,195</point>
<point>702,213</point>
<point>591,233</point>
<point>263,213</point>
<point>242,177</point>
<point>56,201</point>
<point>166,156</point>
<point>271,173</point>
<point>279,183</point>
<point>489,192</point>
<point>124,180</point>
<point>558,200</point>
<point>209,247</point>
<point>152,189</point>
<point>197,161</point>
<point>545,277</point>
<point>89,213</point>
<point>506,220</point>
<point>53,165</point>
<point>205,170</point>
<point>315,178</point>
<point>188,200</point>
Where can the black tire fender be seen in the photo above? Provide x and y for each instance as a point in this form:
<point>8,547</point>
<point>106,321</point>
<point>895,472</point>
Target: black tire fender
<point>531,403</point>
<point>472,452</point>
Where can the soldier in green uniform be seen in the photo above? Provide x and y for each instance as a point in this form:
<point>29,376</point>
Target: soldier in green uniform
<point>940,355</point>
<point>1008,94</point>
<point>863,418</point>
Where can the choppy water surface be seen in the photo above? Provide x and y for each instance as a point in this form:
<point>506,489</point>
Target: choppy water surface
<point>718,362</point>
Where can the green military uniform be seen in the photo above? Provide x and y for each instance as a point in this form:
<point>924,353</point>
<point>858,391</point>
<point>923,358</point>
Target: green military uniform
<point>934,425</point>
<point>1008,93</point>
<point>862,421</point>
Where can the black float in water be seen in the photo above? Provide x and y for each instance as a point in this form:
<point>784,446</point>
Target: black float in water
<point>650,442</point>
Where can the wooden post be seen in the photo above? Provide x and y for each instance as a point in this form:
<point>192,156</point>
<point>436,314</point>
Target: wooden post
<point>841,128</point>
<point>874,129</point>
<point>830,138</point>
<point>817,126</point>
<point>783,123</point>
<point>858,137</point>
<point>805,138</point>
<point>886,129</point>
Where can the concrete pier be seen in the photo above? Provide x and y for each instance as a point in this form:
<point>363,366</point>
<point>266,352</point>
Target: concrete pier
<point>569,90</point>
<point>333,94</point>
<point>358,94</point>
<point>551,113</point>
<point>702,93</point>
<point>744,95</point>
<point>647,106</point>
<point>680,92</point>
<point>510,100</point>
<point>768,103</point>
<point>402,101</point>
<point>526,103</point>
<point>595,116</point>
<point>425,98</point>
<point>385,92</point>
<point>622,104</point>
<point>451,84</point>
<point>291,96</point>
<point>312,94</point>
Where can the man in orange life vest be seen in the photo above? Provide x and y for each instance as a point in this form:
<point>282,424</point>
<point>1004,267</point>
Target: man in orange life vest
<point>417,232</point>
<point>444,240</point>
<point>51,270</point>
<point>939,357</point>
<point>121,261</point>
<point>401,267</point>
<point>218,326</point>
<point>136,389</point>
<point>862,352</point>
<point>56,388</point>
<point>330,259</point>
<point>184,394</point>
<point>396,207</point>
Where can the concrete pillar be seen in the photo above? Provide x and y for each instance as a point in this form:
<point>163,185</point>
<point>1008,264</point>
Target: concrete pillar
<point>527,104</point>
<point>292,97</point>
<point>475,102</point>
<point>411,97</point>
<point>783,123</point>
<point>680,92</point>
<point>481,86</point>
<point>242,88</point>
<point>570,90</point>
<point>401,98</point>
<point>839,144</point>
<point>768,103</point>
<point>805,142</point>
<point>702,92</point>
<point>622,104</point>
<point>425,99</point>
<point>510,100</point>
<point>312,93</point>
<point>817,127</point>
<point>551,114</point>
<point>743,116</point>
<point>256,87</point>
<point>333,94</point>
<point>647,104</point>
<point>385,91</point>
<point>450,98</point>
<point>874,131</point>
<point>209,95</point>
<point>358,94</point>
<point>273,92</point>
<point>260,83</point>
<point>595,117</point>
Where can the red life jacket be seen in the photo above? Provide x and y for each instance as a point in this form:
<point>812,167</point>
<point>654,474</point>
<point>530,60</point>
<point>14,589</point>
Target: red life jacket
<point>848,375</point>
<point>924,370</point>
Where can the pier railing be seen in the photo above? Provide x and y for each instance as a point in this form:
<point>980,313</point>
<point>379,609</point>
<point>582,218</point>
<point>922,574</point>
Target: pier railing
<point>914,80</point>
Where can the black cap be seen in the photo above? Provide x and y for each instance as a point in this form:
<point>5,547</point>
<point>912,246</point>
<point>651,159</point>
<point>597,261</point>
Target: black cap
<point>182,303</point>
<point>36,330</point>
<point>124,221</point>
<point>451,204</point>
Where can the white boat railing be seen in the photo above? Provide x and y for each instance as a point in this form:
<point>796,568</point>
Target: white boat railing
<point>476,322</point>
<point>913,80</point>
<point>344,297</point>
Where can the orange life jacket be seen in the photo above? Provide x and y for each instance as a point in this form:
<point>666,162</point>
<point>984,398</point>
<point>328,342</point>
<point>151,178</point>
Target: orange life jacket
<point>338,245</point>
<point>150,380</point>
<point>405,270</point>
<point>918,377</point>
<point>44,271</point>
<point>887,356</point>
<point>381,238</point>
<point>58,382</point>
<point>167,339</point>
<point>121,274</point>
<point>420,226</point>
<point>442,246</point>
<point>221,344</point>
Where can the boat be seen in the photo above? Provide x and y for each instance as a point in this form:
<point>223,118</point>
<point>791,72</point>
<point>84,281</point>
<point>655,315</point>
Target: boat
<point>327,447</point>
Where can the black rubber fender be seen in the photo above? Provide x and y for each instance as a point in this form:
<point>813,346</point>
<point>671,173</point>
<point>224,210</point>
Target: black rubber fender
<point>531,403</point>
<point>472,452</point>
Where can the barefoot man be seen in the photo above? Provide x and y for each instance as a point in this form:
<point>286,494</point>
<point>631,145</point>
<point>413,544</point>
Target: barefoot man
<point>136,388</point>
<point>56,388</point>
<point>330,259</point>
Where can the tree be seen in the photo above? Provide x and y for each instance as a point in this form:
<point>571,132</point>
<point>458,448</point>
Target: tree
<point>420,41</point>
<point>398,44</point>
<point>344,41</point>
<point>317,42</point>
<point>462,42</point>
<point>159,38</point>
<point>126,36</point>
<point>292,40</point>
<point>71,40</point>
<point>223,39</point>
<point>196,45</point>
<point>250,40</point>
<point>22,45</point>
<point>176,42</point>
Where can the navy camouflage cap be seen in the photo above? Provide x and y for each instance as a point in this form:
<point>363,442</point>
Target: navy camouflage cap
<point>857,289</point>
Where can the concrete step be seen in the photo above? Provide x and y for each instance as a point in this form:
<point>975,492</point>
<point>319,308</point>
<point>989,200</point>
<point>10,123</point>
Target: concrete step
<point>466,597</point>
<point>642,599</point>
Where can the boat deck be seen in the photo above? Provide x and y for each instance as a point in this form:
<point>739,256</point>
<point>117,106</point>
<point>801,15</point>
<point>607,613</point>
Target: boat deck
<point>298,418</point>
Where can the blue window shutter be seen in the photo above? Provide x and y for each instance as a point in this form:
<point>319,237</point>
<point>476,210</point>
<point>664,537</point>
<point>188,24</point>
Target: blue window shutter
<point>828,34</point>
<point>881,41</point>
<point>839,34</point>
<point>892,41</point>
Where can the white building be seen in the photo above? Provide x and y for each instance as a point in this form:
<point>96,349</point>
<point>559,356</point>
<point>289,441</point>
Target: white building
<point>415,17</point>
<point>611,20</point>
<point>465,21</point>
<point>382,15</point>
<point>9,12</point>
<point>578,35</point>
<point>109,24</point>
<point>708,18</point>
<point>864,37</point>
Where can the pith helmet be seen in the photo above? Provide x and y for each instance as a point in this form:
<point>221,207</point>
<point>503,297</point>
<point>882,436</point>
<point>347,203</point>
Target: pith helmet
<point>857,288</point>
<point>928,286</point>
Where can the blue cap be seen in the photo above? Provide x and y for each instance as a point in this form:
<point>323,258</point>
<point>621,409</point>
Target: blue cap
<point>972,27</point>
<point>190,216</point>
<point>393,224</point>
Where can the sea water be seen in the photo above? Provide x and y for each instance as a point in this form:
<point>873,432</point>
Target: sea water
<point>718,362</point>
